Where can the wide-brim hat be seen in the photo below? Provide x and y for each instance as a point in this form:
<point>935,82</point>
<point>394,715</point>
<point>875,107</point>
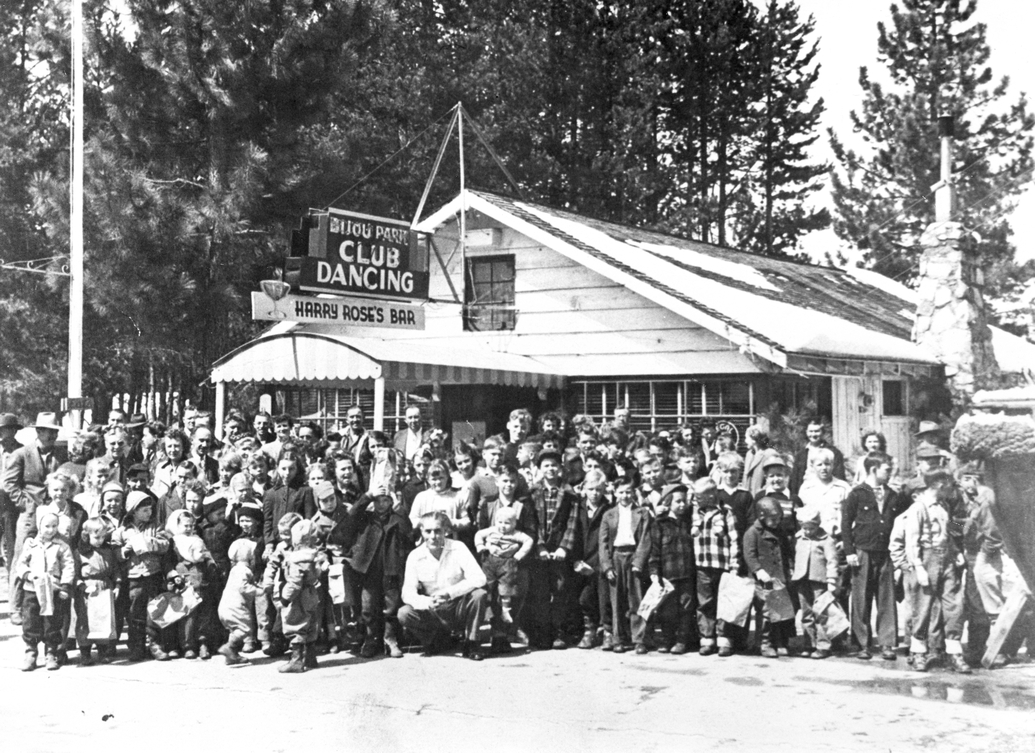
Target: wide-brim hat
<point>136,421</point>
<point>47,421</point>
<point>928,450</point>
<point>9,420</point>
<point>928,427</point>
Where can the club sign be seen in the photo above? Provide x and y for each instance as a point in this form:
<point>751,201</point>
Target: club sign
<point>361,255</point>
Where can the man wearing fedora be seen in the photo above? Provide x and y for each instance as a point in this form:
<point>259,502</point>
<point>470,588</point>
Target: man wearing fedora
<point>24,484</point>
<point>9,426</point>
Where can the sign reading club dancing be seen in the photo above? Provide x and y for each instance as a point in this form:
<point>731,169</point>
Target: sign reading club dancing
<point>362,255</point>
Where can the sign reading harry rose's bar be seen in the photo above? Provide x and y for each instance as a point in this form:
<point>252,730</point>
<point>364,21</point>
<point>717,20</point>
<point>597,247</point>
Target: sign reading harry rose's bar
<point>361,255</point>
<point>357,312</point>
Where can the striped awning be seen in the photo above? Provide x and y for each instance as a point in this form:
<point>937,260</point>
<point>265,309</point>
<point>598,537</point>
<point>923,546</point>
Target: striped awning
<point>306,357</point>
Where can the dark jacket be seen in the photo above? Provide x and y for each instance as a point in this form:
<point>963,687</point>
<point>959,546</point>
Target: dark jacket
<point>863,526</point>
<point>768,550</point>
<point>25,476</point>
<point>276,503</point>
<point>667,549</point>
<point>801,464</point>
<point>587,534</point>
<point>527,520</point>
<point>370,537</point>
<point>609,530</point>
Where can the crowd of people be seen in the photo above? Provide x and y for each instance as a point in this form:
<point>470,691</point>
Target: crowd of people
<point>562,532</point>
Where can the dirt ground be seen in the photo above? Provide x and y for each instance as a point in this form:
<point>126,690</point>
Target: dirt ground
<point>555,700</point>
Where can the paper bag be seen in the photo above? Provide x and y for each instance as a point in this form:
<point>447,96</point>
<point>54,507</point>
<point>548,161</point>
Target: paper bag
<point>170,607</point>
<point>336,583</point>
<point>100,615</point>
<point>653,598</point>
<point>735,597</point>
<point>830,615</point>
<point>778,603</point>
<point>382,470</point>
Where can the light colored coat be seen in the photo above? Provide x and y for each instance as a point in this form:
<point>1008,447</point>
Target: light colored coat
<point>816,559</point>
<point>235,606</point>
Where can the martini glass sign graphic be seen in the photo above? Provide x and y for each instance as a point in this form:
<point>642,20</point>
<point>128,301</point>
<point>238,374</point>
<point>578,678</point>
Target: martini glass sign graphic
<point>276,290</point>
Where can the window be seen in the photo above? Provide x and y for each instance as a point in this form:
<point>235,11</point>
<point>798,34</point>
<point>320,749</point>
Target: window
<point>894,398</point>
<point>489,294</point>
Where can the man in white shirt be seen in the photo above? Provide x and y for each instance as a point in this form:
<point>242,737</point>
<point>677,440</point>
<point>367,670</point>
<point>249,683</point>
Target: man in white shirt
<point>443,590</point>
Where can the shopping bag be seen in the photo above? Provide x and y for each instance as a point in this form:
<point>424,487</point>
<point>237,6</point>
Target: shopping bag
<point>336,583</point>
<point>735,597</point>
<point>653,598</point>
<point>382,470</point>
<point>100,615</point>
<point>830,615</point>
<point>778,603</point>
<point>170,607</point>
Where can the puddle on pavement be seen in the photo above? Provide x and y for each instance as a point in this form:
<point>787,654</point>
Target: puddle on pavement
<point>973,693</point>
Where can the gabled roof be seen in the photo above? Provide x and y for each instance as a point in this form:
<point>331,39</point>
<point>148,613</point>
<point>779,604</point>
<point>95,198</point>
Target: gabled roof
<point>783,311</point>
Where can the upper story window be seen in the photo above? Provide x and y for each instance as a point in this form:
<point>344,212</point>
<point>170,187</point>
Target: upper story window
<point>489,293</point>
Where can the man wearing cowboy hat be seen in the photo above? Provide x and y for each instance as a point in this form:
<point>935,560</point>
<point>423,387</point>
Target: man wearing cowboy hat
<point>9,426</point>
<point>24,483</point>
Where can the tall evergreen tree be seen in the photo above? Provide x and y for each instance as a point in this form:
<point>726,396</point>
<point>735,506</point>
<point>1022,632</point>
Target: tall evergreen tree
<point>936,61</point>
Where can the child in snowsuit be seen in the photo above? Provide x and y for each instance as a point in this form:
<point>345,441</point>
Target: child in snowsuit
<point>249,521</point>
<point>198,634</point>
<point>329,522</point>
<point>45,571</point>
<point>237,605</point>
<point>271,581</point>
<point>501,549</point>
<point>768,552</point>
<point>817,569</point>
<point>142,546</point>
<point>299,598</point>
<point>99,575</point>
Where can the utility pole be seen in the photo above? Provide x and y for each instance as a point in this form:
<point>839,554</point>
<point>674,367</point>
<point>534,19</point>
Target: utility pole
<point>75,266</point>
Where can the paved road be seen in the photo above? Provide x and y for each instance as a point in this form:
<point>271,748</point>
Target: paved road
<point>557,700</point>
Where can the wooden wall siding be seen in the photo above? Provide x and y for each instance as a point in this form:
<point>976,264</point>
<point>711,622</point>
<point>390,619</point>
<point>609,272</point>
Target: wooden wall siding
<point>565,309</point>
<point>851,419</point>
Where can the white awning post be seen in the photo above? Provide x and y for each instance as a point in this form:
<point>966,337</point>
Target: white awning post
<point>379,404</point>
<point>220,408</point>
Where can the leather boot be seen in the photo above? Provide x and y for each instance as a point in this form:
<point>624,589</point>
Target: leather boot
<point>309,656</point>
<point>231,651</point>
<point>589,637</point>
<point>86,656</point>
<point>608,643</point>
<point>392,641</point>
<point>371,647</point>
<point>156,651</point>
<point>296,664</point>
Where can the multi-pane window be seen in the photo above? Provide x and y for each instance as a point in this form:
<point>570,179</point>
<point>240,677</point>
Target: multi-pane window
<point>489,294</point>
<point>328,407</point>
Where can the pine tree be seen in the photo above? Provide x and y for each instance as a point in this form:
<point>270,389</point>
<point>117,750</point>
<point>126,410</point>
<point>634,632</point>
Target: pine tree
<point>776,212</point>
<point>936,64</point>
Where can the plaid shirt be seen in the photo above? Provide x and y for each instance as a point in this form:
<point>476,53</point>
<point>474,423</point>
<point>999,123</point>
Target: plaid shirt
<point>554,507</point>
<point>668,549</point>
<point>715,538</point>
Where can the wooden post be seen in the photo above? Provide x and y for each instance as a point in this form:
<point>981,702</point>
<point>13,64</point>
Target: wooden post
<point>220,408</point>
<point>1004,623</point>
<point>379,404</point>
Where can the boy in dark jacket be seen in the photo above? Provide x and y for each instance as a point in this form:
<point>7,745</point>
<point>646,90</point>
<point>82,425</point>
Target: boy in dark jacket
<point>769,552</point>
<point>590,583</point>
<point>667,552</point>
<point>380,539</point>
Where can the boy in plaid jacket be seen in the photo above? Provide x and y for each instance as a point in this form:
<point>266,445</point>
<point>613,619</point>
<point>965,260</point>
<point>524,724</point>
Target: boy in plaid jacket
<point>667,551</point>
<point>716,551</point>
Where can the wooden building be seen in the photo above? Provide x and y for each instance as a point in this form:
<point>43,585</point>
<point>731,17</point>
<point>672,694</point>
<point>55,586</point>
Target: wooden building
<point>547,309</point>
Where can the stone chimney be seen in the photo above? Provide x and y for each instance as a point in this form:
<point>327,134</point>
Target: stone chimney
<point>951,318</point>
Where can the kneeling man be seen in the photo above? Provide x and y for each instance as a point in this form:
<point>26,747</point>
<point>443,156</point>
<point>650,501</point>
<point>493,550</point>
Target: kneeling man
<point>443,589</point>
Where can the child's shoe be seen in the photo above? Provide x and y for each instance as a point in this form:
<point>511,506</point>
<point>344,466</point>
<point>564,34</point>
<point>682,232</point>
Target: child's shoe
<point>309,656</point>
<point>608,644</point>
<point>53,662</point>
<point>190,654</point>
<point>250,646</point>
<point>371,647</point>
<point>500,645</point>
<point>769,652</point>
<point>680,648</point>
<point>959,665</point>
<point>559,643</point>
<point>105,653</point>
<point>29,663</point>
<point>157,653</point>
<point>229,651</point>
<point>820,653</point>
<point>86,656</point>
<point>392,642</point>
<point>706,649</point>
<point>296,664</point>
<point>589,637</point>
<point>621,648</point>
<point>782,651</point>
<point>203,652</point>
<point>725,651</point>
<point>641,649</point>
<point>919,662</point>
